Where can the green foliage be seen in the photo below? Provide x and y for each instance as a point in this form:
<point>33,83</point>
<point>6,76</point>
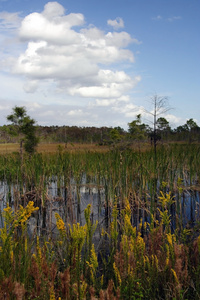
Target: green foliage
<point>115,135</point>
<point>15,246</point>
<point>191,124</point>
<point>136,129</point>
<point>104,135</point>
<point>23,124</point>
<point>162,124</point>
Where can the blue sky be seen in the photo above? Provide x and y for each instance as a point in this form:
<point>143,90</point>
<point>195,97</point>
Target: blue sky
<point>98,63</point>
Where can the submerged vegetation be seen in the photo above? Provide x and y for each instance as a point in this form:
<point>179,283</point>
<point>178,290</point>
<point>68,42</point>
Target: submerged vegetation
<point>135,235</point>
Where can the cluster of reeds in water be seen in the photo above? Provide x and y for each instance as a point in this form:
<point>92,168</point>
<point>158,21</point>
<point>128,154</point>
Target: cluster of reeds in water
<point>145,249</point>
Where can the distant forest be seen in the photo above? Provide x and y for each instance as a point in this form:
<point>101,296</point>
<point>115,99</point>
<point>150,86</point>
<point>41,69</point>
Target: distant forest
<point>137,131</point>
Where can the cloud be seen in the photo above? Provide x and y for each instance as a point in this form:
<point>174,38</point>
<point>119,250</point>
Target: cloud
<point>174,18</point>
<point>9,20</point>
<point>53,10</point>
<point>99,112</point>
<point>172,119</point>
<point>170,19</point>
<point>31,86</point>
<point>157,18</point>
<point>82,60</point>
<point>77,72</point>
<point>33,106</point>
<point>51,26</point>
<point>117,23</point>
<point>109,84</point>
<point>110,102</point>
<point>76,113</point>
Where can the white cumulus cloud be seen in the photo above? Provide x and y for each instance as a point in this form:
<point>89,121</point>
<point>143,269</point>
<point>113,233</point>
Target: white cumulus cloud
<point>82,60</point>
<point>77,72</point>
<point>117,23</point>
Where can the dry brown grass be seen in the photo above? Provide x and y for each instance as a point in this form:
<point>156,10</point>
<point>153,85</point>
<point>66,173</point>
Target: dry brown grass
<point>54,147</point>
<point>9,148</point>
<point>71,147</point>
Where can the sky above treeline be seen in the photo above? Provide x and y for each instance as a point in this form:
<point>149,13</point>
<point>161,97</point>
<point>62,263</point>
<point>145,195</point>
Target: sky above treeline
<point>99,63</point>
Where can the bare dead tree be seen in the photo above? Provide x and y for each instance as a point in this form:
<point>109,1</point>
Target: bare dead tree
<point>160,107</point>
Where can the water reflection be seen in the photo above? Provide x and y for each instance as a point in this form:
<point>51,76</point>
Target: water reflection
<point>70,200</point>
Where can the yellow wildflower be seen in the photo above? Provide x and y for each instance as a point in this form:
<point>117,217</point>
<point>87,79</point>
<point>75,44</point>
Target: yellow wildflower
<point>103,232</point>
<point>102,278</point>
<point>164,184</point>
<point>155,261</point>
<point>146,261</point>
<point>93,258</point>
<point>145,226</point>
<point>167,256</point>
<point>166,200</point>
<point>140,243</point>
<point>140,224</point>
<point>24,213</point>
<point>170,238</point>
<point>52,293</point>
<point>175,276</point>
<point>117,274</point>
<point>129,229</point>
<point>33,256</point>
<point>60,223</point>
<point>8,215</point>
<point>26,244</point>
<point>11,256</point>
<point>127,208</point>
<point>8,209</point>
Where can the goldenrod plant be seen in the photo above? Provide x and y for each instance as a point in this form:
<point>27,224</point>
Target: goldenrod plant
<point>15,244</point>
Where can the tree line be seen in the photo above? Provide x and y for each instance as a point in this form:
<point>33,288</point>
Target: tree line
<point>23,129</point>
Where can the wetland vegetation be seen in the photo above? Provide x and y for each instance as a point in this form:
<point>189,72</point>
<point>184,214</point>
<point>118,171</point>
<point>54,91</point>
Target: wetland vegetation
<point>114,219</point>
<point>111,224</point>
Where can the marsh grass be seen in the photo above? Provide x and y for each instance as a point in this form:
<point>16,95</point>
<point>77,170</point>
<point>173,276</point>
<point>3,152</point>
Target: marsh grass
<point>144,245</point>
